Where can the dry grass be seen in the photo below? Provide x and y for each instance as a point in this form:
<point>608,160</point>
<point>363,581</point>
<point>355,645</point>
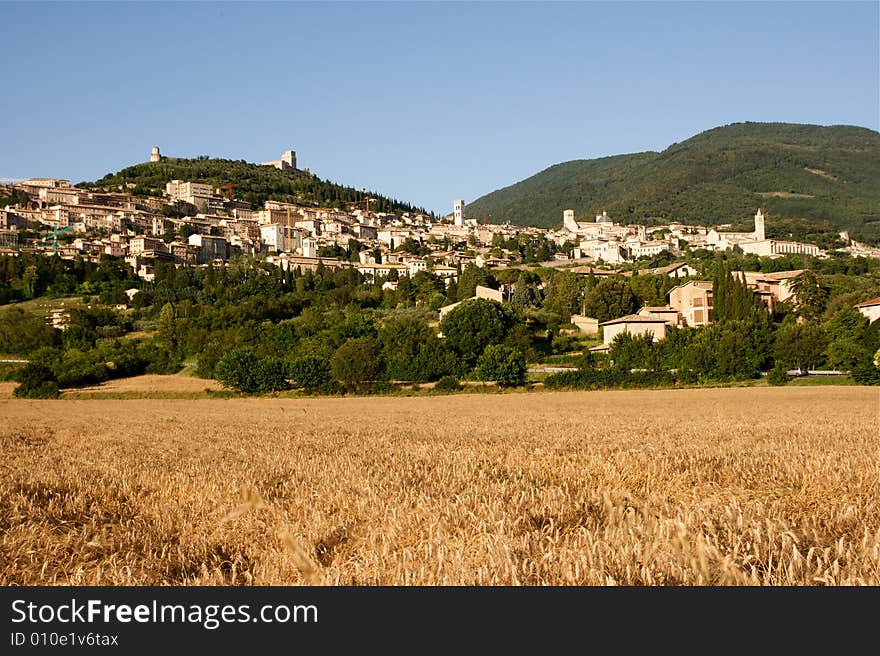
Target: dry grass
<point>146,386</point>
<point>772,486</point>
<point>6,390</point>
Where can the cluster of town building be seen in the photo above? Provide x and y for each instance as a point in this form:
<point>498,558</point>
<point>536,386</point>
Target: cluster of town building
<point>603,239</point>
<point>690,304</point>
<point>218,227</point>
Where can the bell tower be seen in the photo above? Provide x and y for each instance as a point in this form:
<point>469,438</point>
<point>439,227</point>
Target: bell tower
<point>458,212</point>
<point>759,225</point>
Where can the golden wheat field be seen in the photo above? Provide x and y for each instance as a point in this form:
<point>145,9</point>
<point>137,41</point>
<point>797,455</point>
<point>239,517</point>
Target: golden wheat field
<point>774,486</point>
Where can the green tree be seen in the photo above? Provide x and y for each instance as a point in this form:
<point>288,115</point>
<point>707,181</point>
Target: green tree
<point>778,375</point>
<point>734,352</point>
<point>503,364</point>
<point>36,381</point>
<point>475,324</point>
<point>609,299</point>
<point>402,339</point>
<point>650,289</point>
<point>413,352</point>
<point>866,373</point>
<point>29,281</point>
<point>731,297</point>
<point>22,332</point>
<point>810,295</point>
<point>846,323</point>
<point>800,345</point>
<point>846,354</point>
<point>523,294</point>
<point>310,371</point>
<point>358,361</point>
<point>470,278</point>
<point>425,286</point>
<point>448,384</point>
<point>633,351</point>
<point>245,371</point>
<point>563,293</point>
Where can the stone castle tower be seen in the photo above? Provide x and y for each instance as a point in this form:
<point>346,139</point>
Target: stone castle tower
<point>568,222</point>
<point>154,154</point>
<point>286,163</point>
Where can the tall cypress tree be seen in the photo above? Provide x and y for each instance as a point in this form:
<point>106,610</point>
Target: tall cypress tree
<point>732,299</point>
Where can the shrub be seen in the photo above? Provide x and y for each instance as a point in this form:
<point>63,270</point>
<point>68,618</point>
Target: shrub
<point>45,390</point>
<point>22,332</point>
<point>800,345</point>
<point>614,377</point>
<point>586,360</point>
<point>208,358</point>
<point>357,361</point>
<point>475,324</point>
<point>78,368</point>
<point>243,370</point>
<point>503,364</point>
<point>778,375</point>
<point>563,344</point>
<point>413,352</point>
<point>36,381</point>
<point>310,371</point>
<point>448,384</point>
<point>159,357</point>
<point>866,374</point>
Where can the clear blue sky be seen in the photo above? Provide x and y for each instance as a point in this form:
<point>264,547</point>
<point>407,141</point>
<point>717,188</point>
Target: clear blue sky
<point>425,102</point>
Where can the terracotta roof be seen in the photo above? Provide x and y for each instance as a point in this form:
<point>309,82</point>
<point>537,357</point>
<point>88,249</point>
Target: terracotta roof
<point>669,268</point>
<point>598,272</point>
<point>633,318</point>
<point>873,301</point>
<point>699,284</point>
<point>781,275</point>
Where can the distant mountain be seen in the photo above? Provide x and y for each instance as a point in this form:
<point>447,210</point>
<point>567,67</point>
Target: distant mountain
<point>824,175</point>
<point>252,183</point>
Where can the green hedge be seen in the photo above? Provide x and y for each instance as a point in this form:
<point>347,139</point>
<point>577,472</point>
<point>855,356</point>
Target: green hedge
<point>615,378</point>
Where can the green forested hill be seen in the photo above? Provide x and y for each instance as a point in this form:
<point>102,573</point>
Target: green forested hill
<point>719,176</point>
<point>254,183</point>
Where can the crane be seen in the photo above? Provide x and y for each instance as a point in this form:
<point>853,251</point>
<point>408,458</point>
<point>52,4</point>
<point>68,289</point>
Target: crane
<point>228,189</point>
<point>54,236</point>
<point>366,201</point>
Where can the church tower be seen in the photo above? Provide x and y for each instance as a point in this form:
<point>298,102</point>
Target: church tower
<point>759,225</point>
<point>458,212</point>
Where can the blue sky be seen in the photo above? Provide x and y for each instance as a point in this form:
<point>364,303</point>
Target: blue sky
<point>425,102</point>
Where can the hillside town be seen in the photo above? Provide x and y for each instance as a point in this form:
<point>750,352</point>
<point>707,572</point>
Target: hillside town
<point>72,222</point>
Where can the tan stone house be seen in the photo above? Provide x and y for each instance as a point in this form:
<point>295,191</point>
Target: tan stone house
<point>693,301</point>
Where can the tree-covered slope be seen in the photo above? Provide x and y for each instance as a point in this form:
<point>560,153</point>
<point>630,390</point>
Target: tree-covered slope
<point>253,183</point>
<point>719,176</point>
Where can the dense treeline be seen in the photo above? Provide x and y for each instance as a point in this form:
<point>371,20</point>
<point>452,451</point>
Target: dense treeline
<point>258,328</point>
<point>820,175</point>
<point>31,275</point>
<point>253,183</point>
